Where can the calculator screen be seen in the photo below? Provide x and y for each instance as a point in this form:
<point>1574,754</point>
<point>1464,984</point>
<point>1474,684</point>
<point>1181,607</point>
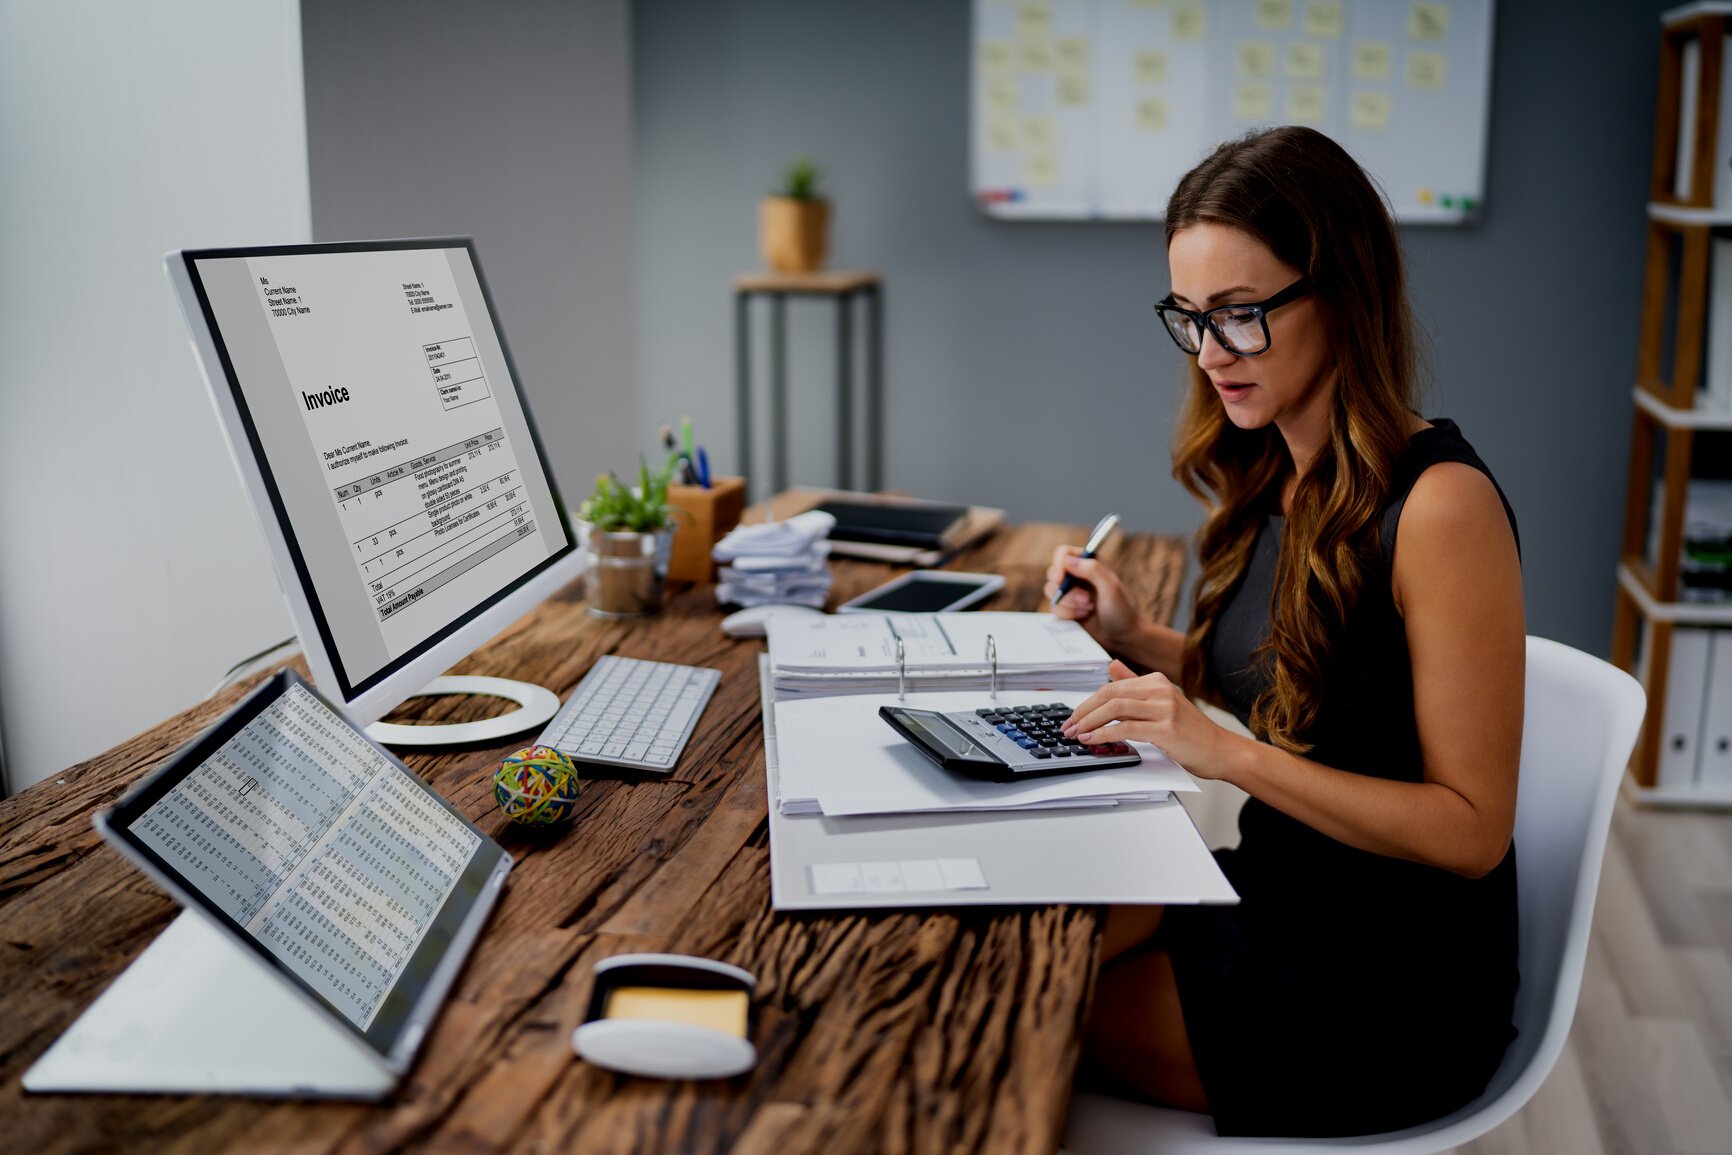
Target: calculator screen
<point>939,734</point>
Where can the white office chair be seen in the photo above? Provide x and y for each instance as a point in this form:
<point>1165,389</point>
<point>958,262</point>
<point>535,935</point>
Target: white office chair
<point>1581,723</point>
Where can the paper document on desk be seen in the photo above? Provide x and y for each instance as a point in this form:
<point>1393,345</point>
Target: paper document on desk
<point>838,757</point>
<point>856,653</point>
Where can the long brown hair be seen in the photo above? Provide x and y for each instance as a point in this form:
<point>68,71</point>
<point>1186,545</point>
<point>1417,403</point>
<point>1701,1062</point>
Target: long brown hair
<point>1303,196</point>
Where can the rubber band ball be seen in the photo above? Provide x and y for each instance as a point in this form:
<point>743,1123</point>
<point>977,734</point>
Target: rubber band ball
<point>536,786</point>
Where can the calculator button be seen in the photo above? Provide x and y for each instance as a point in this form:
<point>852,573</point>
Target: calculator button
<point>986,712</point>
<point>1048,742</point>
<point>1028,743</point>
<point>1039,752</point>
<point>1061,751</point>
<point>1004,727</point>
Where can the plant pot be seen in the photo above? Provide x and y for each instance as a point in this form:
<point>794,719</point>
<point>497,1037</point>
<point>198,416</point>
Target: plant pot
<point>794,236</point>
<point>626,570</point>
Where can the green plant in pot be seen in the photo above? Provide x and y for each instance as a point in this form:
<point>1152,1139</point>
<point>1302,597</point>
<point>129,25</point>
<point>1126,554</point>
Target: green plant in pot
<point>794,222</point>
<point>628,533</point>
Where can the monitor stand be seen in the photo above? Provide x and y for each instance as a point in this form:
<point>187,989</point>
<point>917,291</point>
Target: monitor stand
<point>197,1013</point>
<point>536,706</point>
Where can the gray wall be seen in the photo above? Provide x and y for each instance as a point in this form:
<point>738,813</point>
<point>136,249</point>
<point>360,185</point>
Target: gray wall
<point>132,573</point>
<point>1023,365</point>
<point>509,122</point>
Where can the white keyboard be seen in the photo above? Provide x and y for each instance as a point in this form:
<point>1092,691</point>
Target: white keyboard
<point>631,712</point>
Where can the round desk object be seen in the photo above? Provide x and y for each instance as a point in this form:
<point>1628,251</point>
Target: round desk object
<point>536,786</point>
<point>668,1016</point>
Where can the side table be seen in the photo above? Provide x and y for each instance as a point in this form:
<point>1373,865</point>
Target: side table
<point>844,288</point>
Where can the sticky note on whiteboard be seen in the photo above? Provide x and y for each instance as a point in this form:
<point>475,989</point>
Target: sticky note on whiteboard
<point>1425,69</point>
<point>1256,58</point>
<point>1304,60</point>
<point>1253,102</point>
<point>1306,104</point>
<point>1370,111</point>
<point>1428,21</point>
<point>1323,19</point>
<point>1274,13</point>
<point>1188,21</point>
<point>1151,68</point>
<point>1151,114</point>
<point>1371,59</point>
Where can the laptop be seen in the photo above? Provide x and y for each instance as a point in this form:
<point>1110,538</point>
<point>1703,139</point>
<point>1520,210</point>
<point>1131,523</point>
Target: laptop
<point>331,897</point>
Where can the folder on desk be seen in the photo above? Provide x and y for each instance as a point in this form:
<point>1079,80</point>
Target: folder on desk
<point>876,653</point>
<point>1128,852</point>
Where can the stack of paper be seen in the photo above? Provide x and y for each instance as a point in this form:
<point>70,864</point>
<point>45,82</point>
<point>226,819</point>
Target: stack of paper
<point>776,563</point>
<point>857,653</point>
<point>837,757</point>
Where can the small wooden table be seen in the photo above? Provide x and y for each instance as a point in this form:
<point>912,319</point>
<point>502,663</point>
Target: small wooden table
<point>890,1031</point>
<point>843,288</point>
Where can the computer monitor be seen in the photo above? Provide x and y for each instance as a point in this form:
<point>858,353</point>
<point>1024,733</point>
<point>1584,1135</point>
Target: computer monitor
<point>376,418</point>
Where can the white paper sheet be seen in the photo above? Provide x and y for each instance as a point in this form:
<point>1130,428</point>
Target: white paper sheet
<point>841,753</point>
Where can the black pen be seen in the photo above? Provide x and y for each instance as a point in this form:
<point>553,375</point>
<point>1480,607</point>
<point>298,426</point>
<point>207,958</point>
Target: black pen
<point>1096,540</point>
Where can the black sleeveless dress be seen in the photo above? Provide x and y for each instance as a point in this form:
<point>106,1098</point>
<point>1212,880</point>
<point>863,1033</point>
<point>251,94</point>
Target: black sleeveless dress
<point>1348,993</point>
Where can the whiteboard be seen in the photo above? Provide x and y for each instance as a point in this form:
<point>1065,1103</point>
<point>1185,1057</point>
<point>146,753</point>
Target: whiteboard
<point>1093,109</point>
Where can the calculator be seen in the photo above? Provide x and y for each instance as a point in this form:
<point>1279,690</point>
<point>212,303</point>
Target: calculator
<point>1004,744</point>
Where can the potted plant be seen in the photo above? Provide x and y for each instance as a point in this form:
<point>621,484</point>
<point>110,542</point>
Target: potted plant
<point>628,535</point>
<point>794,224</point>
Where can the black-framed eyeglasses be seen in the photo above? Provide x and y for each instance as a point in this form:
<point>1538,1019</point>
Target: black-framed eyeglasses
<point>1242,329</point>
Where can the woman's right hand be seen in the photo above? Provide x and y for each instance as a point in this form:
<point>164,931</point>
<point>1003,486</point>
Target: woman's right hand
<point>1098,599</point>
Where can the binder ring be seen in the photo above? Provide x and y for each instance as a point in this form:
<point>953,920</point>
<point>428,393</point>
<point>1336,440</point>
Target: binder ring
<point>992,660</point>
<point>901,671</point>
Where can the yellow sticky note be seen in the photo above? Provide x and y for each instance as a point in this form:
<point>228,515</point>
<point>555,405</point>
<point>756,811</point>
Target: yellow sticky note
<point>1304,60</point>
<point>1073,88</point>
<point>997,55</point>
<point>1151,114</point>
<point>1001,94</point>
<point>1188,23</point>
<point>1425,70</point>
<point>1042,169</point>
<point>1038,131</point>
<point>1072,54</point>
<point>1253,102</point>
<point>1151,67</point>
<point>1036,57</point>
<point>1256,58</point>
<point>1001,134</point>
<point>1369,111</point>
<point>1274,13</point>
<point>1371,59</point>
<point>1424,196</point>
<point>1033,23</point>
<point>1428,21</point>
<point>1323,19</point>
<point>1306,103</point>
<point>719,1010</point>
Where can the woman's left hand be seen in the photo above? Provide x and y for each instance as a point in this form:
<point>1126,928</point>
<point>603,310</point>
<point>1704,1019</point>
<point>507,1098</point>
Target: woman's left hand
<point>1151,709</point>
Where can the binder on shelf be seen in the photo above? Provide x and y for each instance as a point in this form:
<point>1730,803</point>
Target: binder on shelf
<point>1716,391</point>
<point>1681,724</point>
<point>1684,171</point>
<point>1714,761</point>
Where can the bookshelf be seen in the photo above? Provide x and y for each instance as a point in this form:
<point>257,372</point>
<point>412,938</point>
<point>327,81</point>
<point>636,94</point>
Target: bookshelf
<point>1684,218</point>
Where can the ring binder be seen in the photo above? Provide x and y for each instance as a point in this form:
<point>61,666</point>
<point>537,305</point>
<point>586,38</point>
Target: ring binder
<point>991,666</point>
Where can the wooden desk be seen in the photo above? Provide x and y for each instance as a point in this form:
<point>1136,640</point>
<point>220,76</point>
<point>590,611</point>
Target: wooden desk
<point>876,1032</point>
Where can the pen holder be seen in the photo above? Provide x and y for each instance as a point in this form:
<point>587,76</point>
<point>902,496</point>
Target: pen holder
<point>707,516</point>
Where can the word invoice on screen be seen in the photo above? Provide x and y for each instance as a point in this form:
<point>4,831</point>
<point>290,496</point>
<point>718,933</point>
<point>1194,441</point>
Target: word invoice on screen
<point>418,459</point>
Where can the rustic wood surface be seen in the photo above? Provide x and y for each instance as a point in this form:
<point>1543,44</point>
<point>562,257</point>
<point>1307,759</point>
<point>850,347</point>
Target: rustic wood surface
<point>878,1032</point>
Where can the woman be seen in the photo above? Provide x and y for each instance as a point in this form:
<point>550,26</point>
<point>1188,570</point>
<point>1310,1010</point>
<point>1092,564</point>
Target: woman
<point>1359,608</point>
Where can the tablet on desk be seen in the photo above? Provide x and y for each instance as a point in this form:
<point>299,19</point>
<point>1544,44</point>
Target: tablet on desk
<point>926,592</point>
<point>323,857</point>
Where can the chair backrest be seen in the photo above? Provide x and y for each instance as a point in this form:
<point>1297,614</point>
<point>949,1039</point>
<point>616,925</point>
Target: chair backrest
<point>1580,724</point>
<point>1578,730</point>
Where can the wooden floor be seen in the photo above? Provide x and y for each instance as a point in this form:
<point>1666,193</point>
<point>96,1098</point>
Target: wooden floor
<point>1648,1066</point>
